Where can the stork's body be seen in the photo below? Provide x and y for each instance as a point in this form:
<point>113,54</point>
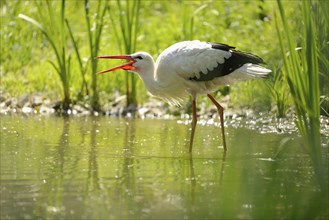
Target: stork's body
<point>192,68</point>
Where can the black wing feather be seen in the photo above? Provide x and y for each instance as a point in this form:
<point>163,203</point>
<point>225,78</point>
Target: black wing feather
<point>237,60</point>
<point>220,46</point>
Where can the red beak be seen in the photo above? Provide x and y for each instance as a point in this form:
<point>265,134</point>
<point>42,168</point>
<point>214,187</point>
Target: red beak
<point>127,66</point>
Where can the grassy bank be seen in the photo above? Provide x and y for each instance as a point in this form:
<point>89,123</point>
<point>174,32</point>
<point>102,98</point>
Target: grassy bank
<point>27,56</point>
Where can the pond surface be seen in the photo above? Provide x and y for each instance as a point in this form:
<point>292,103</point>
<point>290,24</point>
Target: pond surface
<point>106,168</point>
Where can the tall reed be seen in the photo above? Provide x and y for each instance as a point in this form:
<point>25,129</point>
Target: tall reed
<point>126,34</point>
<point>322,24</point>
<point>301,70</point>
<point>83,69</point>
<point>52,26</point>
<point>94,37</point>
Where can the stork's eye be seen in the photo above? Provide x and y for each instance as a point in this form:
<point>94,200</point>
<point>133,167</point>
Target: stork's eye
<point>139,57</point>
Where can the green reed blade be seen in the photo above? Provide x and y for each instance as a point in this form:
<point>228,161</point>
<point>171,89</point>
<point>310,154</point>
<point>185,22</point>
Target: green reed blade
<point>54,33</point>
<point>302,75</point>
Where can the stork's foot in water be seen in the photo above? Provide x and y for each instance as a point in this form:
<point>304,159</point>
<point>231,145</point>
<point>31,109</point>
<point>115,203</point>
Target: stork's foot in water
<point>220,110</point>
<point>194,121</point>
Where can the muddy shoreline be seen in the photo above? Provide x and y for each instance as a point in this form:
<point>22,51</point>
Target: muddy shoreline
<point>39,103</point>
<point>267,122</point>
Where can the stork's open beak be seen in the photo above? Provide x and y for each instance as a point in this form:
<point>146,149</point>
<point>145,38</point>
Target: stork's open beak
<point>127,66</point>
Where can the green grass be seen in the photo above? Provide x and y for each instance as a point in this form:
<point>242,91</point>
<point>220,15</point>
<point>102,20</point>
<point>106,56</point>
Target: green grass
<point>125,24</point>
<point>280,92</point>
<point>51,24</point>
<point>94,36</point>
<point>151,26</point>
<point>321,18</point>
<point>301,58</point>
<point>154,26</point>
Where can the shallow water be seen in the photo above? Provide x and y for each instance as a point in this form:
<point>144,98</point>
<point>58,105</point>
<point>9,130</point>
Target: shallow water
<point>106,168</point>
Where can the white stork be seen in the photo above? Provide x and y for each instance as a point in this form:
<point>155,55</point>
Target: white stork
<point>192,68</point>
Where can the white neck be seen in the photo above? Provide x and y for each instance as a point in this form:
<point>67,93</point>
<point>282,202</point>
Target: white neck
<point>148,75</point>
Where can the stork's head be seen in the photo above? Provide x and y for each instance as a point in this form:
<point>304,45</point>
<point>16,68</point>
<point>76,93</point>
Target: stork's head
<point>139,62</point>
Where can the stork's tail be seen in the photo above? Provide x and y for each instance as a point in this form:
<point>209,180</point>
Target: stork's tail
<point>255,70</point>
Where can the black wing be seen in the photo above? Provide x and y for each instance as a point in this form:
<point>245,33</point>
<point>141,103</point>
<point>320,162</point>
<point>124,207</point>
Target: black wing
<point>236,60</point>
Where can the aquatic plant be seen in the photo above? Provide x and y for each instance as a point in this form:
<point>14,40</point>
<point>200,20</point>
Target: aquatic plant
<point>83,69</point>
<point>321,17</point>
<point>94,31</point>
<point>301,70</point>
<point>278,87</point>
<point>54,31</point>
<point>94,36</point>
<point>126,35</point>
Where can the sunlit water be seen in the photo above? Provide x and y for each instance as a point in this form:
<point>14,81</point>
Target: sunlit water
<point>105,168</point>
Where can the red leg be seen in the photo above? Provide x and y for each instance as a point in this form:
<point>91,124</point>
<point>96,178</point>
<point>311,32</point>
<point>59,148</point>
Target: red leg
<point>220,110</point>
<point>194,121</point>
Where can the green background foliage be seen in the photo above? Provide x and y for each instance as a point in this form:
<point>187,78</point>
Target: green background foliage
<point>247,25</point>
<point>25,52</point>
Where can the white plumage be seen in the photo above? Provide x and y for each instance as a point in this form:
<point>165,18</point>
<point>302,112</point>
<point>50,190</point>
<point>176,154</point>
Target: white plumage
<point>192,68</point>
